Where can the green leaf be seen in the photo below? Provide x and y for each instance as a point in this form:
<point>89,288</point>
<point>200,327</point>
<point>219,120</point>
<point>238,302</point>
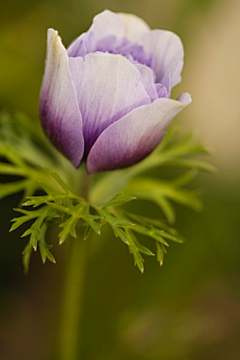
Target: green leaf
<point>114,223</point>
<point>194,164</point>
<point>138,260</point>
<point>184,179</point>
<point>92,221</point>
<point>87,232</point>
<point>7,189</point>
<point>160,191</point>
<point>171,237</point>
<point>36,201</point>
<point>18,221</point>
<point>27,252</point>
<point>167,209</point>
<point>136,249</point>
<point>153,233</point>
<point>44,247</point>
<point>58,179</point>
<point>36,228</point>
<point>119,200</point>
<point>25,139</point>
<point>161,251</point>
<point>69,228</point>
<point>155,229</point>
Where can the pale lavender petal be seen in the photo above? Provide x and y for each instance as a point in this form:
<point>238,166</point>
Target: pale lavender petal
<point>105,25</point>
<point>185,98</point>
<point>82,45</point>
<point>108,87</point>
<point>133,137</point>
<point>167,51</point>
<point>134,26</point>
<point>109,44</point>
<point>59,111</point>
<point>148,80</point>
<point>162,91</point>
<point>166,81</point>
<point>136,51</point>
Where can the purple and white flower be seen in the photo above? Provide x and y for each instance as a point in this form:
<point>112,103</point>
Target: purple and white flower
<point>106,99</point>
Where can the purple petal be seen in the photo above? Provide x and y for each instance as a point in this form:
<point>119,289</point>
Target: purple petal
<point>134,26</point>
<point>108,87</point>
<point>133,137</point>
<point>134,51</point>
<point>59,111</point>
<point>105,25</point>
<point>167,51</point>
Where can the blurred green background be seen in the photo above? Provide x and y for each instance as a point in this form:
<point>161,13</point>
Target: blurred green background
<point>190,308</point>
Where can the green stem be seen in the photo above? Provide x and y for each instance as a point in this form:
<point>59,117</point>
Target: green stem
<point>70,331</point>
<point>71,311</point>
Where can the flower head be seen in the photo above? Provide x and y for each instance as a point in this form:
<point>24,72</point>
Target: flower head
<point>106,99</point>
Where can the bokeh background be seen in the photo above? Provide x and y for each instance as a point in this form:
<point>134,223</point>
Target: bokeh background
<point>190,308</point>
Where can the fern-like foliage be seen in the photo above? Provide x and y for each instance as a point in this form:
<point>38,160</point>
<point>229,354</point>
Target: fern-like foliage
<point>71,212</point>
<point>28,157</point>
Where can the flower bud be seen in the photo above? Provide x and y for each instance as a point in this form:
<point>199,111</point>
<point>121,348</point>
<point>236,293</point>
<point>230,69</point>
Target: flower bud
<point>107,98</point>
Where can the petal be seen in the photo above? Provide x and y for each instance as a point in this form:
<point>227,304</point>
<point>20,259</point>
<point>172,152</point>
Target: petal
<point>147,78</point>
<point>185,98</point>
<point>105,25</point>
<point>108,87</point>
<point>59,111</point>
<point>166,81</point>
<point>133,137</point>
<point>81,46</point>
<point>134,26</point>
<point>166,50</point>
<point>161,91</point>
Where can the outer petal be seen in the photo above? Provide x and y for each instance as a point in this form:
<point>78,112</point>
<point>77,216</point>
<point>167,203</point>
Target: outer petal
<point>106,24</point>
<point>59,111</point>
<point>108,87</point>
<point>133,137</point>
<point>166,50</point>
<point>134,26</point>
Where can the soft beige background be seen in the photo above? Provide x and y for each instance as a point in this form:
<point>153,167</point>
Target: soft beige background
<point>213,74</point>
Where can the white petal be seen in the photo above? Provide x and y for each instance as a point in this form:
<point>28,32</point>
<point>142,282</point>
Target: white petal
<point>134,26</point>
<point>106,24</point>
